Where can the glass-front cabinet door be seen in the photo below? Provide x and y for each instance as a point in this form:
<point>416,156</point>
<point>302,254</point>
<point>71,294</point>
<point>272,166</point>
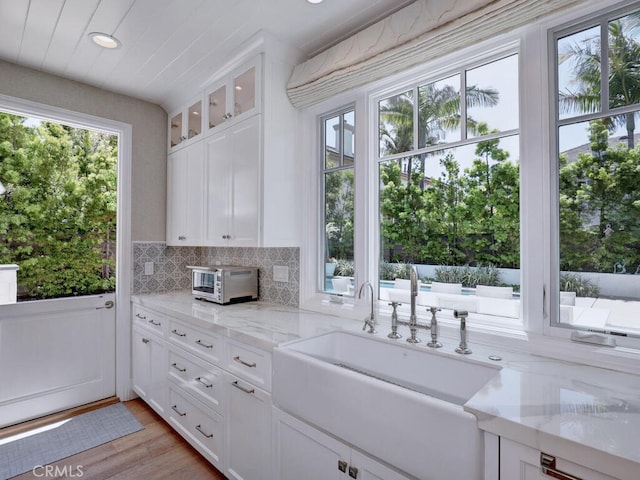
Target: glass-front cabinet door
<point>236,96</point>
<point>185,124</point>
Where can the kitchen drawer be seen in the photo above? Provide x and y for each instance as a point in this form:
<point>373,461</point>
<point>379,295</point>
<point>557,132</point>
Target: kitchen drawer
<point>150,319</point>
<point>207,346</point>
<point>200,379</point>
<point>199,425</point>
<point>250,364</point>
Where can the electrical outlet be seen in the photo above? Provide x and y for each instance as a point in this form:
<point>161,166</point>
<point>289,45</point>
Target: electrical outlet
<point>148,268</point>
<point>280,273</point>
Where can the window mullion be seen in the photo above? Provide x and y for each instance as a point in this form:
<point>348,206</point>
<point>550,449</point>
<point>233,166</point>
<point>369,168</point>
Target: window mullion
<point>463,105</point>
<point>604,66</point>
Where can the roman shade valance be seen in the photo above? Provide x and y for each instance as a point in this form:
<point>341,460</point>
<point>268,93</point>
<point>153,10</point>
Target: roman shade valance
<point>420,32</point>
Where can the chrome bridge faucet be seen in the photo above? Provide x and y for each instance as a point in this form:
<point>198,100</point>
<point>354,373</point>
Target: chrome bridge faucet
<point>434,343</point>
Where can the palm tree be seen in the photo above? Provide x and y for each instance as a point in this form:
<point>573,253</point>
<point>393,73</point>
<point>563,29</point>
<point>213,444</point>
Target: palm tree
<point>624,73</point>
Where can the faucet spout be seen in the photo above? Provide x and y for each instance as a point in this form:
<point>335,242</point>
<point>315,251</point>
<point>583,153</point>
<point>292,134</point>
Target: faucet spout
<point>413,279</point>
<point>371,320</point>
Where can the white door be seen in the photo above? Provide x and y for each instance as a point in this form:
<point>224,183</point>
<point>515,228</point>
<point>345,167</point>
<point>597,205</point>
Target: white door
<point>55,354</point>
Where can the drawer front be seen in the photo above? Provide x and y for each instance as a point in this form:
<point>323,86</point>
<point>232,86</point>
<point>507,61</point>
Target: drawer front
<point>150,319</point>
<point>251,364</point>
<point>200,426</point>
<point>205,345</point>
<point>201,380</point>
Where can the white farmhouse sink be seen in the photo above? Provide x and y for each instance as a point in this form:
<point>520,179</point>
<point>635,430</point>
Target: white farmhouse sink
<point>400,403</point>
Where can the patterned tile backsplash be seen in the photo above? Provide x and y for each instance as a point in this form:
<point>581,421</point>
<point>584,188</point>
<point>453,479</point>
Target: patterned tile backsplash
<point>170,270</point>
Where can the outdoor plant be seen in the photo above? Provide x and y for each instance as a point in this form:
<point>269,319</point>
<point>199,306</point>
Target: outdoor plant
<point>344,268</point>
<point>391,271</point>
<point>469,276</point>
<point>583,287</point>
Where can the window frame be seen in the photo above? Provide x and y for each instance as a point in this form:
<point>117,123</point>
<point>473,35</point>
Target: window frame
<point>600,18</point>
<point>537,149</point>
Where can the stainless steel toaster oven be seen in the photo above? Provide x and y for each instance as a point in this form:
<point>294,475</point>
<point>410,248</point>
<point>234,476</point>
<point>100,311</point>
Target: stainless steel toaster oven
<point>224,284</point>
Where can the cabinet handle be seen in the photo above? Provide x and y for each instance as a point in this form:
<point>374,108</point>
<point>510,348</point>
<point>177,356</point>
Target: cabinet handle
<point>154,323</point>
<point>342,466</point>
<point>141,317</point>
<point>202,344</point>
<point>182,237</point>
<point>353,472</point>
<point>201,381</point>
<point>178,367</point>
<point>175,409</point>
<point>207,435</point>
<point>178,333</point>
<point>250,391</point>
<point>239,360</point>
<point>145,340</point>
<point>548,465</point>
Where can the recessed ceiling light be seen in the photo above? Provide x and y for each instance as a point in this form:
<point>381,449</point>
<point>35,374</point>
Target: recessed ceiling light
<point>104,40</point>
<point>314,1</point>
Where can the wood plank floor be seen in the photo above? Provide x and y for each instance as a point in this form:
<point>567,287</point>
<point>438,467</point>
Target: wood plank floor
<point>155,453</point>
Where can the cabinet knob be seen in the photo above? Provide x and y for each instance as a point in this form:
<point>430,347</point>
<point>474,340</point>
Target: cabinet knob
<point>145,340</point>
<point>182,237</point>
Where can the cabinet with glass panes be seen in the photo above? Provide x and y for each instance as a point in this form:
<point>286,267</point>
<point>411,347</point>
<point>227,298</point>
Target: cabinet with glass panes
<point>185,125</point>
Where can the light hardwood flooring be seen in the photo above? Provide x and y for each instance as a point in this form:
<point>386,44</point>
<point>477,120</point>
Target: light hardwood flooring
<point>155,453</point>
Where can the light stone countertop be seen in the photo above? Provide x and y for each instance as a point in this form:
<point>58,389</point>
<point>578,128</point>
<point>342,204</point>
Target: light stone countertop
<point>587,415</point>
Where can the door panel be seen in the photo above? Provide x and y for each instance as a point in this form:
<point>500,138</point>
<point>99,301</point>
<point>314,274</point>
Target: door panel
<point>55,354</point>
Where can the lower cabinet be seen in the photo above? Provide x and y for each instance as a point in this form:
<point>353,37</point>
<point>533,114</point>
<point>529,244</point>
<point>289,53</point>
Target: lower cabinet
<point>149,360</point>
<point>198,424</point>
<point>302,452</point>
<point>248,430</point>
<point>519,462</point>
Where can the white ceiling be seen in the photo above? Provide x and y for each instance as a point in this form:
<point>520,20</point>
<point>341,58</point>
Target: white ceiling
<point>168,46</point>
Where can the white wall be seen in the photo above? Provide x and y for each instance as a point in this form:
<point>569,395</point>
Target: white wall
<point>149,134</point>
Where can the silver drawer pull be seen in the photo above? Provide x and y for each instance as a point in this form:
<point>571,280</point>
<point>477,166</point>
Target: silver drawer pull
<point>178,333</point>
<point>548,466</point>
<point>250,391</point>
<point>141,317</point>
<point>202,381</point>
<point>207,435</point>
<point>154,323</point>
<point>178,367</point>
<point>239,360</point>
<point>202,344</point>
<point>175,409</point>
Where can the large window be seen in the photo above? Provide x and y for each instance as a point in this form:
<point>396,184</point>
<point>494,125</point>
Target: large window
<point>338,148</point>
<point>449,190</point>
<point>598,165</point>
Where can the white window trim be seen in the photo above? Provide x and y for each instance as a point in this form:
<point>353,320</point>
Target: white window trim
<point>537,336</point>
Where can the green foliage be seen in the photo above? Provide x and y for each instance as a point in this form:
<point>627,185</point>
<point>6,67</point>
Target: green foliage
<point>391,271</point>
<point>58,216</point>
<point>469,276</point>
<point>573,282</point>
<point>344,268</point>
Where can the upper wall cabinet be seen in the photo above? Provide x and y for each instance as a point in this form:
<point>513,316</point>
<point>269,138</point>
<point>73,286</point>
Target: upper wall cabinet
<point>185,125</point>
<point>236,96</point>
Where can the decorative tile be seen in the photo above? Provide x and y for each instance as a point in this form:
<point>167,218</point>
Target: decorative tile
<point>171,272</point>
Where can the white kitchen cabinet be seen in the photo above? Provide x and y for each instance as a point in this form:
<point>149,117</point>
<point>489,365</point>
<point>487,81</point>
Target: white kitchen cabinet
<point>248,430</point>
<point>200,426</point>
<point>520,462</point>
<point>149,359</point>
<point>301,451</point>
<point>235,96</point>
<point>185,125</point>
<point>232,172</point>
<point>185,196</point>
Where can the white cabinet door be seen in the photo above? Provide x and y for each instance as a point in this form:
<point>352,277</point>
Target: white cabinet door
<point>301,451</point>
<point>233,185</point>
<point>149,364</point>
<point>248,431</point>
<point>185,195</point>
<point>519,462</point>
